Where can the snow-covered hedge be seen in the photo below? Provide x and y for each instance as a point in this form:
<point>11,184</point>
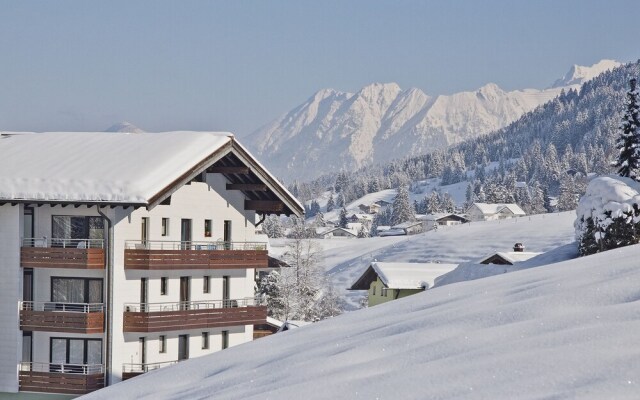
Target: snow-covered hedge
<point>608,214</point>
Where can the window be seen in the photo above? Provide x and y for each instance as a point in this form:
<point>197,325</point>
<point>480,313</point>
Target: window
<point>71,353</point>
<point>144,230</point>
<point>384,292</point>
<point>205,340</point>
<point>206,284</point>
<point>373,289</point>
<point>165,226</point>
<point>207,228</point>
<point>162,344</point>
<point>68,231</point>
<point>225,339</point>
<point>75,290</point>
<point>164,285</point>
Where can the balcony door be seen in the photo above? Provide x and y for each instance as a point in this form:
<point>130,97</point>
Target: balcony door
<point>183,347</point>
<point>225,291</point>
<point>144,293</point>
<point>28,226</point>
<point>185,292</point>
<point>27,284</point>
<point>227,234</point>
<point>185,234</point>
<point>144,231</point>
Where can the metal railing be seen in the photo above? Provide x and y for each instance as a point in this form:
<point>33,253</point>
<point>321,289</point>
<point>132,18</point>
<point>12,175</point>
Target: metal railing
<point>192,305</point>
<point>63,243</point>
<point>193,245</point>
<point>61,307</point>
<point>142,368</point>
<point>80,369</point>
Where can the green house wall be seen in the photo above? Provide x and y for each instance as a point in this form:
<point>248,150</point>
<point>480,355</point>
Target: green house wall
<point>376,296</point>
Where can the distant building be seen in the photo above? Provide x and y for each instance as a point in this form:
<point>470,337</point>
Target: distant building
<point>410,227</point>
<point>509,257</point>
<point>489,211</point>
<point>329,233</point>
<point>443,219</point>
<point>386,281</point>
<point>370,209</point>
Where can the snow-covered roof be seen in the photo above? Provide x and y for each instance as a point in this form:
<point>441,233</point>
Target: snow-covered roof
<point>113,167</point>
<point>361,216</point>
<point>439,216</point>
<point>392,232</point>
<point>511,256</point>
<point>403,275</point>
<point>99,166</point>
<point>406,224</point>
<point>492,208</point>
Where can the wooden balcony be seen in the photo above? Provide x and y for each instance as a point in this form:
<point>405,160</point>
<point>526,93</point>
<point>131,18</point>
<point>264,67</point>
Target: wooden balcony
<point>61,317</point>
<point>60,378</point>
<point>164,255</point>
<point>62,253</point>
<point>132,370</point>
<point>164,317</point>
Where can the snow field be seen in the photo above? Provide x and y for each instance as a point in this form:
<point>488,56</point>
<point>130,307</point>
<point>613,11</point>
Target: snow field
<point>567,330</point>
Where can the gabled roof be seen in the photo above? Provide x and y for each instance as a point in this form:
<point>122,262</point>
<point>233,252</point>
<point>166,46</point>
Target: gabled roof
<point>507,257</point>
<point>402,275</point>
<point>406,224</point>
<point>441,216</point>
<point>491,208</point>
<point>141,169</point>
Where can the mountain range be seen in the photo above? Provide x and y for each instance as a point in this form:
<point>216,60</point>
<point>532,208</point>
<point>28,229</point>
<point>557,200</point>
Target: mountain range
<point>336,130</point>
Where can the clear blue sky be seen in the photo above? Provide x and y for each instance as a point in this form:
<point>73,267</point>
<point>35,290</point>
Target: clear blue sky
<point>236,65</point>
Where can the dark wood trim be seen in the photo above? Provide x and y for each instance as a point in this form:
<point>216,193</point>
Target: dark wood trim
<point>54,382</point>
<point>61,257</point>
<point>256,187</point>
<point>60,321</point>
<point>142,259</point>
<point>266,206</point>
<point>228,170</point>
<point>160,321</point>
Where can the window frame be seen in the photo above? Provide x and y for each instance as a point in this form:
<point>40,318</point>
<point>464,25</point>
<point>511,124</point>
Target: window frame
<point>164,286</point>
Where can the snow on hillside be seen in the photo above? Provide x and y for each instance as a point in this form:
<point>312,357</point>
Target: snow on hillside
<point>563,331</point>
<point>335,130</point>
<point>346,259</point>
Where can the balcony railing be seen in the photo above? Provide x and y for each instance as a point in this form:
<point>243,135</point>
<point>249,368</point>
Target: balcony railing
<point>160,317</point>
<point>62,317</point>
<point>162,255</point>
<point>60,378</point>
<point>131,370</point>
<point>62,253</point>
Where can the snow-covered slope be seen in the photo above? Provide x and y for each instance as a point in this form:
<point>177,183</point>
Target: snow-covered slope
<point>334,130</point>
<point>346,259</point>
<point>563,331</point>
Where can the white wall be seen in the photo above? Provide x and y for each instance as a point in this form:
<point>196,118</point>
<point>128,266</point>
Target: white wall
<point>10,292</point>
<point>197,201</point>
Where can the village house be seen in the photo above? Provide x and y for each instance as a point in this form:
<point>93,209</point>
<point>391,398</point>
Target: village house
<point>370,208</point>
<point>386,281</point>
<point>122,253</point>
<point>488,211</point>
<point>508,257</point>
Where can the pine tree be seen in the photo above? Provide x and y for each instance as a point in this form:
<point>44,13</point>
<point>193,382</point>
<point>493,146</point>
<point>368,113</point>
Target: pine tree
<point>343,218</point>
<point>628,144</point>
<point>331,203</point>
<point>402,208</point>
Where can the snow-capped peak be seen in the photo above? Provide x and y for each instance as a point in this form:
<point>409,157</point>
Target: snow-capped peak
<point>579,74</point>
<point>125,127</point>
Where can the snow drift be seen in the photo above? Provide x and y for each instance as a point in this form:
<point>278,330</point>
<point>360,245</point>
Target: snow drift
<point>567,330</point>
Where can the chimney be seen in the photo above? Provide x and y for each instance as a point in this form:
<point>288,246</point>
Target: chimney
<point>518,247</point>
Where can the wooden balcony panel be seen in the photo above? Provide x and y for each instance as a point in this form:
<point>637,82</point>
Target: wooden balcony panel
<point>159,321</point>
<point>60,321</point>
<point>63,383</point>
<point>61,257</point>
<point>194,259</point>
<point>129,375</point>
